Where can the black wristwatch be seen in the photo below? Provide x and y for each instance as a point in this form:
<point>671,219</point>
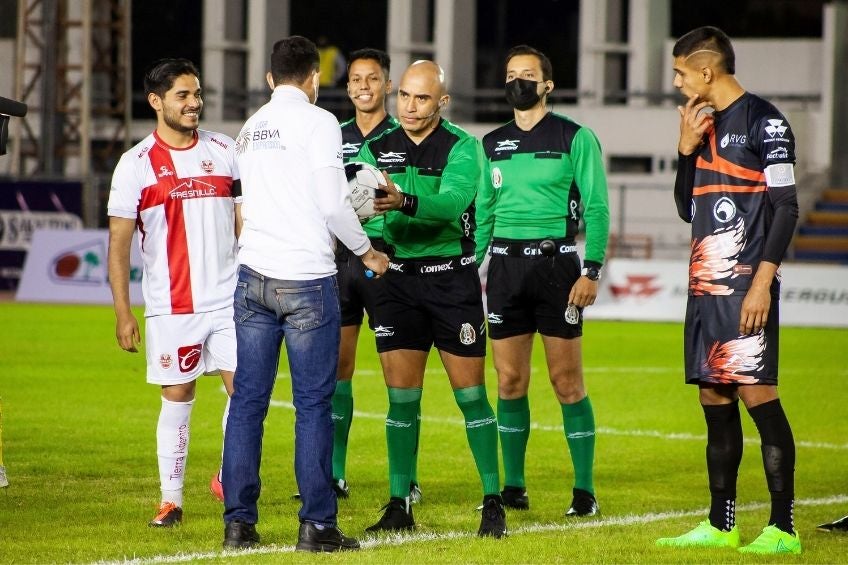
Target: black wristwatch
<point>592,273</point>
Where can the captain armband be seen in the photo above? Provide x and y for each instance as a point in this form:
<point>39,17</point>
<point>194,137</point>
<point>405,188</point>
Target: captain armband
<point>780,174</point>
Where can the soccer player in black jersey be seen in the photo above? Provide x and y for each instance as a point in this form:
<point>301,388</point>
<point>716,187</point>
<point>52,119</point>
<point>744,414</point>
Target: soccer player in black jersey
<point>736,186</point>
<point>543,174</point>
<point>368,85</point>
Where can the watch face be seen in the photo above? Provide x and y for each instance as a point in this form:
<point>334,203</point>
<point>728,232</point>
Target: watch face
<point>592,273</point>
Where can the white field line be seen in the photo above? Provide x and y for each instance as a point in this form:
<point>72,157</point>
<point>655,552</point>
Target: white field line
<point>423,537</point>
<point>674,436</point>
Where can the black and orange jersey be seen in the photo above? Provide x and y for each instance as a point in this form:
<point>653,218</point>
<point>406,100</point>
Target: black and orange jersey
<point>731,212</point>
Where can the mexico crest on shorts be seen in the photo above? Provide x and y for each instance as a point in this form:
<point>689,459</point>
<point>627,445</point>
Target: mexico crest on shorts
<point>467,335</point>
<point>572,315</point>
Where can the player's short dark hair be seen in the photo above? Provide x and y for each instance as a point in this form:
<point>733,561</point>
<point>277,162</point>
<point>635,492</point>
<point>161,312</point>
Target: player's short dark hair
<point>160,76</point>
<point>544,62</point>
<point>708,38</point>
<point>381,57</point>
<point>292,59</point>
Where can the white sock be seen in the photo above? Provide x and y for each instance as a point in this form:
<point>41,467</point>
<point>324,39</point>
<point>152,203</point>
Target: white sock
<point>172,435</point>
<point>224,435</point>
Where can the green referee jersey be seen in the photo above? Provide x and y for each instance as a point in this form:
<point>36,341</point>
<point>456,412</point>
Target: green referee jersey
<point>538,184</point>
<point>443,171</point>
<point>352,143</point>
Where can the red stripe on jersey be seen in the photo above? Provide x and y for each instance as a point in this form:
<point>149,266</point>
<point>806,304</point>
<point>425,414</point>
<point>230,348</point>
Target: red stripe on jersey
<point>723,166</point>
<point>727,188</point>
<point>179,269</point>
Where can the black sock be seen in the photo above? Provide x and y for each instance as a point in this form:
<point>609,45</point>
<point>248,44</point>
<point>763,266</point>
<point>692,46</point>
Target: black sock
<point>724,453</point>
<point>778,447</point>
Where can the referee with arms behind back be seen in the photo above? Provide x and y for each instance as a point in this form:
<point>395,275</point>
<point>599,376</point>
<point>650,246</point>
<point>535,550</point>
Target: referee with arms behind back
<point>432,289</point>
<point>541,168</point>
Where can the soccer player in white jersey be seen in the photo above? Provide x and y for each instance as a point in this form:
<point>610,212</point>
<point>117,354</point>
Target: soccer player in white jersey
<point>180,188</point>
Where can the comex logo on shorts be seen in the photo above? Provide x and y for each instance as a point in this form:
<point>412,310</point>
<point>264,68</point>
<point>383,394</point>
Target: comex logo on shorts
<point>384,331</point>
<point>189,357</point>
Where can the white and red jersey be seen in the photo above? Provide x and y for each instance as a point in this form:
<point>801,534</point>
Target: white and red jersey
<point>182,201</point>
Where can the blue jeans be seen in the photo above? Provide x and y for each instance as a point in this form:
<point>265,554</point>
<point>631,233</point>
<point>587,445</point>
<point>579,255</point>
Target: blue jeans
<point>304,314</point>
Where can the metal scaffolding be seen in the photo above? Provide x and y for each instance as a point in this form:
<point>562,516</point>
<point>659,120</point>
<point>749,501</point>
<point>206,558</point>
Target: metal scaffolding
<point>73,71</point>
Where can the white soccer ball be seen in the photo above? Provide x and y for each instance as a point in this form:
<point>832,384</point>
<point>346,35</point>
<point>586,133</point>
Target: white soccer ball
<point>364,181</point>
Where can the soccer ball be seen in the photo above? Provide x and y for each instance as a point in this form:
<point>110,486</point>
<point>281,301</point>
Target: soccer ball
<point>364,181</point>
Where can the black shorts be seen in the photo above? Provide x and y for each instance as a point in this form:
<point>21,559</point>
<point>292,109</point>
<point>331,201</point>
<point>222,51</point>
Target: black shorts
<point>356,291</point>
<point>715,353</point>
<point>529,293</point>
<point>437,307</point>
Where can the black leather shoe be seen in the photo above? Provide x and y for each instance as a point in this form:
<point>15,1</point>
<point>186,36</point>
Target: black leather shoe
<point>240,535</point>
<point>330,538</point>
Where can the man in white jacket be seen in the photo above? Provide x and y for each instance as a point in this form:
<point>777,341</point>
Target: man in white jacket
<point>296,202</point>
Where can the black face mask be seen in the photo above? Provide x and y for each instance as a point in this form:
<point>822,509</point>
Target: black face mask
<point>521,93</point>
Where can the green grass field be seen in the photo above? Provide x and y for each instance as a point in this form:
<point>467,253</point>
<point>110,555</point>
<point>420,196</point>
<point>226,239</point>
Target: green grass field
<point>79,447</point>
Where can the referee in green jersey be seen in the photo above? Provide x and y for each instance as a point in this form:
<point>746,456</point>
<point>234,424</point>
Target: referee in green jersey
<point>543,174</point>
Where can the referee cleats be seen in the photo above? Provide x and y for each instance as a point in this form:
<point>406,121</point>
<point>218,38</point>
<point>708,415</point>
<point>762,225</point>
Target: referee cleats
<point>341,487</point>
<point>703,535</point>
<point>493,522</point>
<point>216,487</point>
<point>397,516</point>
<point>772,541</point>
<point>840,526</point>
<point>414,493</point>
<point>515,497</point>
<point>169,515</point>
<point>583,504</point>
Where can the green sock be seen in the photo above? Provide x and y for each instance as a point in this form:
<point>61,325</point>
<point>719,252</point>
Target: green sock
<point>342,419</point>
<point>482,431</point>
<point>578,421</point>
<point>514,431</point>
<point>404,407</point>
<point>413,475</point>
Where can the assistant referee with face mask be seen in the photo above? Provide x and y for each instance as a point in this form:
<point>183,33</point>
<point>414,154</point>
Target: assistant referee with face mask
<point>543,174</point>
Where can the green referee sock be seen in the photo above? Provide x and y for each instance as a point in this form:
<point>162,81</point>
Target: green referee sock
<point>578,421</point>
<point>404,407</point>
<point>342,419</point>
<point>482,431</point>
<point>413,474</point>
<point>514,431</point>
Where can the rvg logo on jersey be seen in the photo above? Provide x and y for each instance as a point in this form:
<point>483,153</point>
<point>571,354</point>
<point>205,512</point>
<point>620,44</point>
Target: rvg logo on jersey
<point>724,210</point>
<point>351,148</point>
<point>467,335</point>
<point>497,177</point>
<point>507,145</point>
<point>391,157</point>
<point>735,139</point>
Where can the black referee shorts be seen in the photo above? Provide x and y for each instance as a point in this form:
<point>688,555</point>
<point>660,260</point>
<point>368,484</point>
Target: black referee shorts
<point>529,293</point>
<point>356,291</point>
<point>715,353</point>
<point>428,303</point>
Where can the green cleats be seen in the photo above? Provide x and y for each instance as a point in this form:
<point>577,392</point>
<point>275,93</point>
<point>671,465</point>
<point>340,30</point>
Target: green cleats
<point>703,535</point>
<point>773,541</point>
